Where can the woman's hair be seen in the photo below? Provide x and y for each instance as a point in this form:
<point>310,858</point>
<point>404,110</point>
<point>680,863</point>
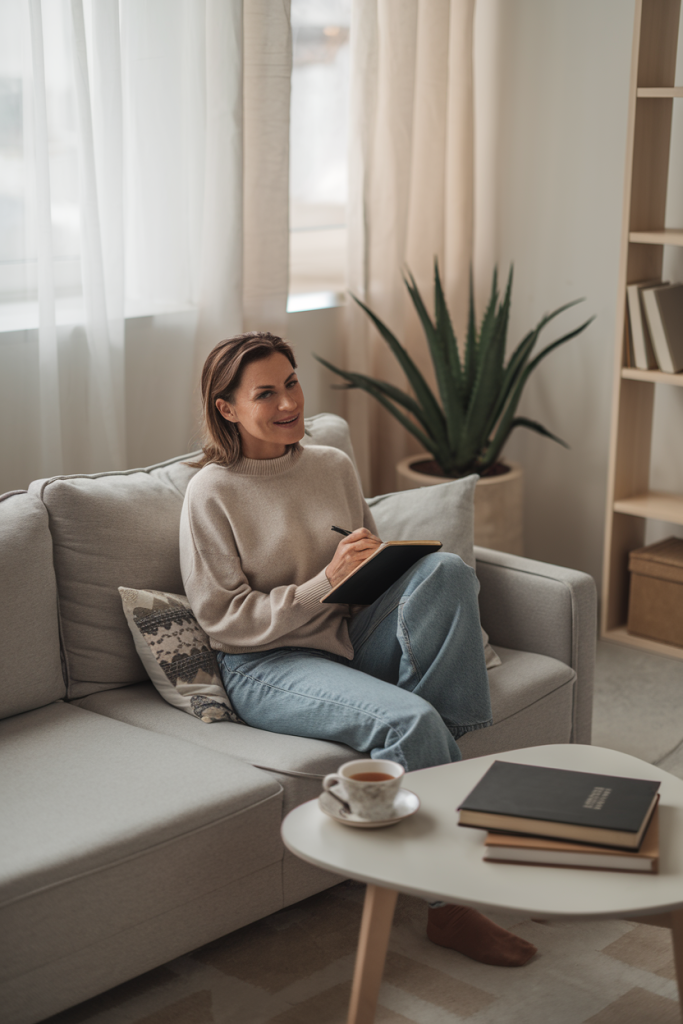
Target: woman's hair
<point>221,378</point>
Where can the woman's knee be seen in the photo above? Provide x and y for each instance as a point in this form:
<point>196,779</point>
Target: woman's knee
<point>448,571</point>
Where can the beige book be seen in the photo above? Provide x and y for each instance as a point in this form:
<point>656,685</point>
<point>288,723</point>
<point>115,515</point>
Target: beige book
<point>553,853</point>
<point>664,309</point>
<point>643,353</point>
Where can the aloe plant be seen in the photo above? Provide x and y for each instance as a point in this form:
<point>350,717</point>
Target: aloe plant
<point>467,428</point>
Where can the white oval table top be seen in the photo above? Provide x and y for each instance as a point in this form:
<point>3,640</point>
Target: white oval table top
<point>430,856</point>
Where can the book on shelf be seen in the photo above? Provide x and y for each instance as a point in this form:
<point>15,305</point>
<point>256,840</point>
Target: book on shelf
<point>643,353</point>
<point>582,807</point>
<point>664,311</point>
<point>508,849</point>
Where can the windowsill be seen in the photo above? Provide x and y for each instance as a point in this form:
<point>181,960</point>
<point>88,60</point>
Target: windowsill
<point>302,303</point>
<point>24,316</point>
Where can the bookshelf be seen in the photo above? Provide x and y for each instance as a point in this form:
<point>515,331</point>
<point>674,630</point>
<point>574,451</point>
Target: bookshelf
<point>630,502</point>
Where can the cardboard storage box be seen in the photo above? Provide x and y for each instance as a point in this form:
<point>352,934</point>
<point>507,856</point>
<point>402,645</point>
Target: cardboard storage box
<point>655,607</point>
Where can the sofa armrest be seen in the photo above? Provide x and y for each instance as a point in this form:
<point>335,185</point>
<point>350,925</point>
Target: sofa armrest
<point>545,609</point>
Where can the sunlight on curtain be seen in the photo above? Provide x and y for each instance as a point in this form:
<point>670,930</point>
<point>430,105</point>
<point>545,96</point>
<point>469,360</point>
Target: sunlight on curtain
<point>319,145</point>
<point>144,170</point>
<point>411,192</point>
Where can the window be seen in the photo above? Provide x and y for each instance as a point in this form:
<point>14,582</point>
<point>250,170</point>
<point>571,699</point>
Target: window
<point>18,238</point>
<point>318,145</point>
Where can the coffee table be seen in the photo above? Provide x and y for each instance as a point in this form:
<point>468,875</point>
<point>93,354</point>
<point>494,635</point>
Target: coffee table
<point>430,856</point>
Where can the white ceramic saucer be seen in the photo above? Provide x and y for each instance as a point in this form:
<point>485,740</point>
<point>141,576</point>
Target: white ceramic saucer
<point>406,803</point>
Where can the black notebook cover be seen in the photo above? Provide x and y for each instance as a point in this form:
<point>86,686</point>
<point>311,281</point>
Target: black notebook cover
<point>555,794</point>
<point>386,565</point>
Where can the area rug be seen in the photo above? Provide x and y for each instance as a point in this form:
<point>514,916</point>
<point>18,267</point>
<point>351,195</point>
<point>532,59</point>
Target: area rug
<point>295,967</point>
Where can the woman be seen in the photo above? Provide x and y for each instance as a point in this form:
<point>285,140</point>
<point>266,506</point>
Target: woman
<point>402,678</point>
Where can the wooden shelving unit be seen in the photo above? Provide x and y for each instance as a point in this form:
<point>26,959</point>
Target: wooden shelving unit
<point>630,502</point>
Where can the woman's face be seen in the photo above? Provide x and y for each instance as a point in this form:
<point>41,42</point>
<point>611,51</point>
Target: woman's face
<point>268,408</point>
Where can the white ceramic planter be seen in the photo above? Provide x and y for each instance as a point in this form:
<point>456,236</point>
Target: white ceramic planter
<point>498,506</point>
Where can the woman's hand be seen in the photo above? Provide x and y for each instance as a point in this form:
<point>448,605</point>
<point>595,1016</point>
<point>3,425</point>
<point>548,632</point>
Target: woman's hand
<point>351,551</point>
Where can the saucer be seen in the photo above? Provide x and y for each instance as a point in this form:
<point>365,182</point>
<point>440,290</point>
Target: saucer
<point>406,803</point>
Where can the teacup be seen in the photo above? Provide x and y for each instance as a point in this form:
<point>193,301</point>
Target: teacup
<point>368,787</point>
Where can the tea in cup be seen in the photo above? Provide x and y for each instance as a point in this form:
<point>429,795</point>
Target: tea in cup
<point>368,787</point>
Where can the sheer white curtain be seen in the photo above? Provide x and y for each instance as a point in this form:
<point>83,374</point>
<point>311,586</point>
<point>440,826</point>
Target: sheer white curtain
<point>245,269</point>
<point>155,162</point>
<point>411,192</point>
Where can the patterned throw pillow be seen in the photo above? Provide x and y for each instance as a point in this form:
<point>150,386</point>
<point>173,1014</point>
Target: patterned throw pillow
<point>176,653</point>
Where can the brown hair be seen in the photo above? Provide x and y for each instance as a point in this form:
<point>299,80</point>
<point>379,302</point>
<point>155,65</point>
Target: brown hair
<point>221,377</point>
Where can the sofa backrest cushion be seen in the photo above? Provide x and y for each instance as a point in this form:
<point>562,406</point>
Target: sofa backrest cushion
<point>332,430</point>
<point>120,529</point>
<point>111,530</point>
<point>30,666</point>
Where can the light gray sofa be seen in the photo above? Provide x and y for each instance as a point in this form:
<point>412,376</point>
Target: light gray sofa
<point>133,833</point>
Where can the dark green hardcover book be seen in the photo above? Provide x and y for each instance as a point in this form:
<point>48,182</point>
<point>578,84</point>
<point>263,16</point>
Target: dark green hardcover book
<point>583,807</point>
<point>376,574</point>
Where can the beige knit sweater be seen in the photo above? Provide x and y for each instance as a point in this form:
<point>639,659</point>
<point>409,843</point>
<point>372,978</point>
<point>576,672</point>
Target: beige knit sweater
<point>254,542</point>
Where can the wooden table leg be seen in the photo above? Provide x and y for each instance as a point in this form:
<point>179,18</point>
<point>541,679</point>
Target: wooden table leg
<point>375,928</point>
<point>677,939</point>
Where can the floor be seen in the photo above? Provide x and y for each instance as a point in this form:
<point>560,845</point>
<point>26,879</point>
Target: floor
<point>294,967</point>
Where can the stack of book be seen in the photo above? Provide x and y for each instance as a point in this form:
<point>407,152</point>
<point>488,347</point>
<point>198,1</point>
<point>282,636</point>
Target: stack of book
<point>655,313</point>
<point>564,818</point>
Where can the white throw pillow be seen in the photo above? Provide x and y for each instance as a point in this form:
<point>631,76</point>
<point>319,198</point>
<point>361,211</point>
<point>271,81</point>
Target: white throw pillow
<point>443,512</point>
<point>176,653</point>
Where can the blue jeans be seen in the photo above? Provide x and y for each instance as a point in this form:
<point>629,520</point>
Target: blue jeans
<point>416,683</point>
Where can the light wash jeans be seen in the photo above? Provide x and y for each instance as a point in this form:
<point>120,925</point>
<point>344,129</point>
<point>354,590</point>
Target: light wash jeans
<point>416,683</point>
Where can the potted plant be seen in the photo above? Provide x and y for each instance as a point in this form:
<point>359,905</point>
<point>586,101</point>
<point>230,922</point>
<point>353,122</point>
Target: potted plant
<point>464,429</point>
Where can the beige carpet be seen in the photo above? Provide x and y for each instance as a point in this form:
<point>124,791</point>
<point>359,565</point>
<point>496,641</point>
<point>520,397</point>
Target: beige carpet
<point>295,968</point>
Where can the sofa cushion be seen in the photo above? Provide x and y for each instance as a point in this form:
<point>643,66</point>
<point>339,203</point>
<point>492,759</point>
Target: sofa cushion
<point>177,654</point>
<point>111,529</point>
<point>518,684</point>
<point>443,512</point>
<point>106,825</point>
<point>329,429</point>
<point>30,667</point>
<point>290,755</point>
<point>533,700</point>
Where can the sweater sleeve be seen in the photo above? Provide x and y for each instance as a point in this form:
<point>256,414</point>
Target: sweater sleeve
<point>226,606</point>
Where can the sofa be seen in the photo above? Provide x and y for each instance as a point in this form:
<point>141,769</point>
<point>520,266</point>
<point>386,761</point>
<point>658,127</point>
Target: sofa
<point>132,832</point>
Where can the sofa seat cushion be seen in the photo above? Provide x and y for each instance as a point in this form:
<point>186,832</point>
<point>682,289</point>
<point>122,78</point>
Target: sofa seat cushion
<point>87,791</point>
<point>521,681</point>
<point>142,706</point>
<point>105,825</point>
<point>532,697</point>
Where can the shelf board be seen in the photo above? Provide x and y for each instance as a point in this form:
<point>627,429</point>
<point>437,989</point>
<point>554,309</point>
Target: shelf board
<point>670,236</point>
<point>660,93</point>
<point>652,376</point>
<point>665,506</point>
<point>620,635</point>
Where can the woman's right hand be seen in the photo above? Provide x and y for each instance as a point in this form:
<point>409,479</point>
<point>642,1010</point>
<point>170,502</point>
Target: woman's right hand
<point>351,551</point>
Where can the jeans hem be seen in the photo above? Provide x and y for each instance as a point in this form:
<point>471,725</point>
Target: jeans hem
<point>458,731</point>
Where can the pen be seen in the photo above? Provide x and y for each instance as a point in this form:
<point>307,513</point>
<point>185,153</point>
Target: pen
<point>344,533</point>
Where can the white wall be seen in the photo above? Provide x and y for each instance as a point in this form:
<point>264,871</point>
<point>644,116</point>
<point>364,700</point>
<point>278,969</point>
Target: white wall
<point>560,83</point>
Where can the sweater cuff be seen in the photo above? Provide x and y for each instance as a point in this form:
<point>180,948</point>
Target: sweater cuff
<point>309,593</point>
